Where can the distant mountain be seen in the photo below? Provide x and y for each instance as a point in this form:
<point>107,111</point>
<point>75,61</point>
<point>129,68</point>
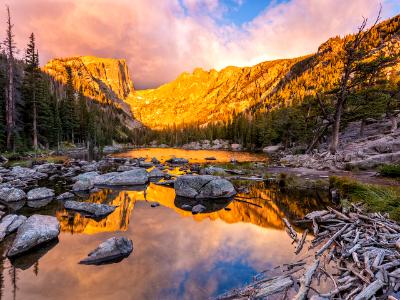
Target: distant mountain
<point>104,80</point>
<point>204,97</point>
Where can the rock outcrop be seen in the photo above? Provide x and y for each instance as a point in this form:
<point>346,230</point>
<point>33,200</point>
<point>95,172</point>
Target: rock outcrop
<point>203,187</point>
<point>94,210</point>
<point>35,231</point>
<point>111,250</point>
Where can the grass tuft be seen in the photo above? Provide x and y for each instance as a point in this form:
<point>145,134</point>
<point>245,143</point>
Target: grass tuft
<point>392,171</point>
<point>377,198</point>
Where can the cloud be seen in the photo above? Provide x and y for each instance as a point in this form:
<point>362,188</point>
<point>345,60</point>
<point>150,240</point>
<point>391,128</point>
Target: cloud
<point>161,39</point>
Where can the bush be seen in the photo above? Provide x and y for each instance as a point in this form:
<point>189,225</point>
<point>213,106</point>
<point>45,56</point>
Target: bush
<point>377,198</point>
<point>390,171</point>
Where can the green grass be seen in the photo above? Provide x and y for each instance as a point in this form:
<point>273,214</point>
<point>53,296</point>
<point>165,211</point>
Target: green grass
<point>377,198</point>
<point>392,171</point>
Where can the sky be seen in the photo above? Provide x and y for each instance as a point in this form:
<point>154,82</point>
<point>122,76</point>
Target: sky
<point>162,38</point>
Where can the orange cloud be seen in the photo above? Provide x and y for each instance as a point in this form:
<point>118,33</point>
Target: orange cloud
<point>161,39</point>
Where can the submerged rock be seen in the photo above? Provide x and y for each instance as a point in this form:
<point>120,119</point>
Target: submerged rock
<point>203,187</point>
<point>136,176</point>
<point>92,209</point>
<point>66,195</point>
<point>9,224</point>
<point>12,194</point>
<point>156,173</point>
<point>111,250</point>
<point>198,209</point>
<point>40,193</point>
<point>177,161</point>
<point>36,230</point>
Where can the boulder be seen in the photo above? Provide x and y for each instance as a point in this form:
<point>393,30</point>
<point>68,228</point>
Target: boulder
<point>156,173</point>
<point>203,187</point>
<point>213,171</point>
<point>12,194</point>
<point>177,161</point>
<point>94,210</point>
<point>27,174</point>
<point>124,168</point>
<point>39,202</point>
<point>82,185</point>
<point>236,147</point>
<point>66,195</point>
<point>40,193</point>
<point>112,250</point>
<point>36,230</point>
<point>155,161</point>
<point>48,168</point>
<point>145,164</point>
<point>9,224</point>
<point>136,176</point>
<point>272,149</point>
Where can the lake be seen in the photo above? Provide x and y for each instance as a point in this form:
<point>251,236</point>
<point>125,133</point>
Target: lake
<point>177,255</point>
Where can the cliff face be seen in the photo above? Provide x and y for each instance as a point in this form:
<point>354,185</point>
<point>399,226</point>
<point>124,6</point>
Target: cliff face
<point>104,80</point>
<point>205,97</point>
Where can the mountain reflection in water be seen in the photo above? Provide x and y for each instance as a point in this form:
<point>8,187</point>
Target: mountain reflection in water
<point>176,255</point>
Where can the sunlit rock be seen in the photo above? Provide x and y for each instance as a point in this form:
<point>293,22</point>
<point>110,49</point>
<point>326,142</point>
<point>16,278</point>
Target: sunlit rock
<point>177,161</point>
<point>111,250</point>
<point>36,230</point>
<point>136,176</point>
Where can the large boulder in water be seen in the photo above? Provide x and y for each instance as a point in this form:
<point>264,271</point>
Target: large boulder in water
<point>12,194</point>
<point>36,230</point>
<point>92,209</point>
<point>111,250</point>
<point>85,181</point>
<point>136,176</point>
<point>40,193</point>
<point>203,187</point>
<point>9,224</point>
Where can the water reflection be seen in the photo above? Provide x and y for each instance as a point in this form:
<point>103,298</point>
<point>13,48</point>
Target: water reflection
<point>176,255</point>
<point>194,156</point>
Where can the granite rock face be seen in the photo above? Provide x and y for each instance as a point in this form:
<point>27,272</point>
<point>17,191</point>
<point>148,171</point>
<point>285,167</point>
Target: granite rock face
<point>40,193</point>
<point>111,250</point>
<point>36,230</point>
<point>9,224</point>
<point>203,187</point>
<point>92,209</point>
<point>12,194</point>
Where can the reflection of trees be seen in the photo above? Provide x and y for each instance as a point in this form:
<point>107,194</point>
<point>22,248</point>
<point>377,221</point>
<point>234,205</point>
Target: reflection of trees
<point>262,206</point>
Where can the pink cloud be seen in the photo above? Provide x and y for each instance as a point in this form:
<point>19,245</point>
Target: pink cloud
<point>161,39</point>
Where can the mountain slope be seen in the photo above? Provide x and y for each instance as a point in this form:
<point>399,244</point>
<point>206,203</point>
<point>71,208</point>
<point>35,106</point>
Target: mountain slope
<point>206,97</point>
<point>104,80</point>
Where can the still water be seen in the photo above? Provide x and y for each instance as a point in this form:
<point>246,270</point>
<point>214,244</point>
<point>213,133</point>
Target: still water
<point>176,255</point>
<point>194,156</point>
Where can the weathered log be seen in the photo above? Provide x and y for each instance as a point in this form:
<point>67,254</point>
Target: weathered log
<point>302,241</point>
<point>274,286</point>
<point>305,281</point>
<point>290,230</point>
<point>331,240</point>
<point>370,290</point>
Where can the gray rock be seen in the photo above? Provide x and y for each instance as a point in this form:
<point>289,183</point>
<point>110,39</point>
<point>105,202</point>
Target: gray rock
<point>92,209</point>
<point>155,204</point>
<point>39,202</point>
<point>9,224</point>
<point>177,161</point>
<point>203,187</point>
<point>36,230</point>
<point>111,250</point>
<point>272,149</point>
<point>12,194</point>
<point>145,164</point>
<point>88,176</point>
<point>40,193</point>
<point>155,161</point>
<point>136,176</point>
<point>27,174</point>
<point>82,185</point>
<point>199,208</point>
<point>65,196</point>
<point>213,171</point>
<point>124,168</point>
<point>48,168</point>
<point>156,173</point>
